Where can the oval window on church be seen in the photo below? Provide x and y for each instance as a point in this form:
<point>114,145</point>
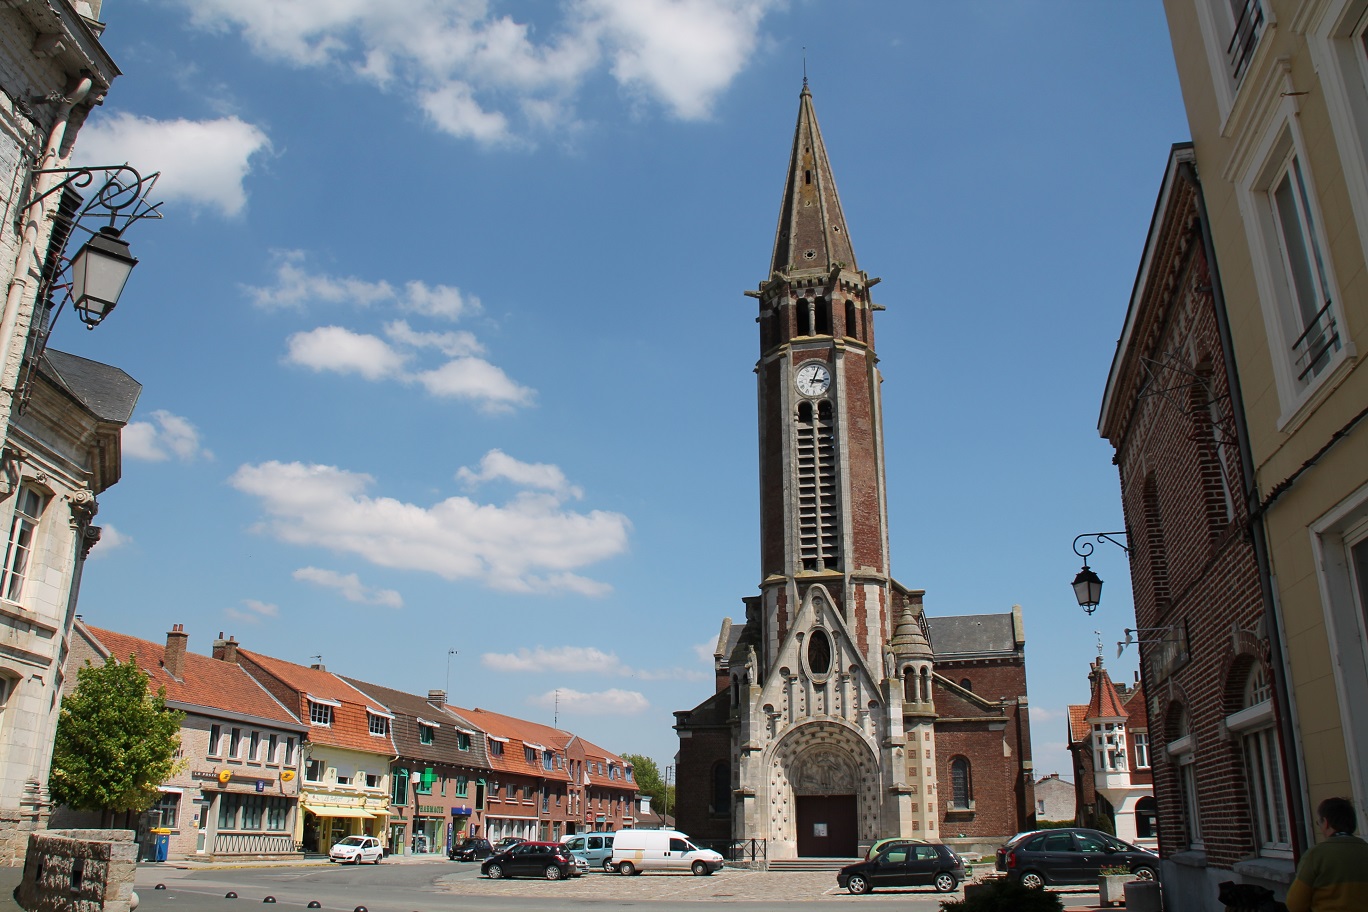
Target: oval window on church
<point>819,652</point>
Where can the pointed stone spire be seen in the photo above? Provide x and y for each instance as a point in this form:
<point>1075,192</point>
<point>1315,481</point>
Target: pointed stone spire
<point>908,639</point>
<point>812,231</point>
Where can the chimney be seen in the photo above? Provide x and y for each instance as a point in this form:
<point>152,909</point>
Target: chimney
<point>437,697</point>
<point>226,650</point>
<point>319,666</point>
<point>173,660</point>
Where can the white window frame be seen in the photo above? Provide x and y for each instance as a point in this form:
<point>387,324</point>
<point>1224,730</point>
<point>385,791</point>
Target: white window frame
<point>1140,748</point>
<point>1281,145</point>
<point>378,723</point>
<point>1217,21</point>
<point>320,713</point>
<point>1334,537</point>
<point>1182,752</point>
<point>29,506</point>
<point>1336,40</point>
<point>1261,754</point>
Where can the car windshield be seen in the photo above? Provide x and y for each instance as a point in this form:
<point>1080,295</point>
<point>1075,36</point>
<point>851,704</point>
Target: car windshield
<point>353,841</point>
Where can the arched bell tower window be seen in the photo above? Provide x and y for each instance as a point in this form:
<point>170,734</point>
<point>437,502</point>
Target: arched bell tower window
<point>818,516</point>
<point>824,317</point>
<point>819,652</point>
<point>804,307</point>
<point>852,320</point>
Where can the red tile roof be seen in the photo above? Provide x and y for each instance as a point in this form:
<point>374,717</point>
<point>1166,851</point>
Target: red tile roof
<point>350,726</point>
<point>205,681</point>
<point>515,734</point>
<point>1078,727</point>
<point>1105,704</point>
<point>596,761</point>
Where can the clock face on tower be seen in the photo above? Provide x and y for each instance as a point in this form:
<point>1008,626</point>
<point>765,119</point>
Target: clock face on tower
<point>812,379</point>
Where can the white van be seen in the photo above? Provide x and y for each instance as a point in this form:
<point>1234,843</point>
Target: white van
<point>635,851</point>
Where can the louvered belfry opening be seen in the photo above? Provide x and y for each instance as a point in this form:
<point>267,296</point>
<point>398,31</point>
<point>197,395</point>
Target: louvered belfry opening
<point>818,516</point>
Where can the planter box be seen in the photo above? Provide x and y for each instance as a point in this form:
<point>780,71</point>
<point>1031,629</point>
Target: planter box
<point>1111,888</point>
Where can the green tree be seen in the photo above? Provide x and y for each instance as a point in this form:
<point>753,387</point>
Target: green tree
<point>116,741</point>
<point>650,782</point>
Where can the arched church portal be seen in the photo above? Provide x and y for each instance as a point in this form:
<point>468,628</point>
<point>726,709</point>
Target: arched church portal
<point>831,781</point>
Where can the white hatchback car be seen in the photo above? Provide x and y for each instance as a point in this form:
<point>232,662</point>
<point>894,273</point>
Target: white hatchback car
<point>356,849</point>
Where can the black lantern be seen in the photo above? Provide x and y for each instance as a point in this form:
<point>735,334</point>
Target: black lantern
<point>98,273</point>
<point>1087,588</point>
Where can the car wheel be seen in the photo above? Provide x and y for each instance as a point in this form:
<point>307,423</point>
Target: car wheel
<point>1032,881</point>
<point>495,872</point>
<point>553,873</point>
<point>1144,873</point>
<point>945,882</point>
<point>857,885</point>
<point>627,868</point>
<point>700,868</point>
<point>378,857</point>
<point>609,867</point>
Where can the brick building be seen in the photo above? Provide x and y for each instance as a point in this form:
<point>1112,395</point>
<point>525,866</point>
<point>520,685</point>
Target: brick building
<point>1207,642</point>
<point>1109,742</point>
<point>236,793</point>
<point>437,779</point>
<point>834,722</point>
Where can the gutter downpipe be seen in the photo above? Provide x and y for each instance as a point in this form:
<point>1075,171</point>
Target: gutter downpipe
<point>27,272</point>
<point>1294,764</point>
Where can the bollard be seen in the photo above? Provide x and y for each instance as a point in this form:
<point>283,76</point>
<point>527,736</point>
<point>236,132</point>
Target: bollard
<point>160,887</point>
<point>269,899</point>
<point>315,904</point>
<point>230,895</point>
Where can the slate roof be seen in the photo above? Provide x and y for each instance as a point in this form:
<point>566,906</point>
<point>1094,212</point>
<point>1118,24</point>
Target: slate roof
<point>408,709</point>
<point>350,726</point>
<point>971,635</point>
<point>516,734</point>
<point>205,682</point>
<point>108,392</point>
<point>812,232</point>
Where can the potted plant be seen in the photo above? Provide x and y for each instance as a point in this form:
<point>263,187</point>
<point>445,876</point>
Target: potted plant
<point>1111,884</point>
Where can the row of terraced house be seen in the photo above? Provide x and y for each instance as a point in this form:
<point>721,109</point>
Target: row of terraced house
<point>280,758</point>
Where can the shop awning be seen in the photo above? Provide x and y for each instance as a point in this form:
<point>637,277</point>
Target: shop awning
<point>329,810</point>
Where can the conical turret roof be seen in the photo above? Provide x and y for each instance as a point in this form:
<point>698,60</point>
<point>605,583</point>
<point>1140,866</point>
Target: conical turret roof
<point>908,639</point>
<point>1105,702</point>
<point>812,231</point>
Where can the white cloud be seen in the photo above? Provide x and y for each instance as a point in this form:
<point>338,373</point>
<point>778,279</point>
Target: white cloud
<point>453,344</point>
<point>334,348</point>
<point>481,75</point>
<point>256,610</point>
<point>476,379</point>
<point>349,587</point>
<point>297,287</point>
<point>498,465</point>
<point>612,702</point>
<point>164,436</point>
<point>705,652</point>
<point>530,544</point>
<point>683,53</point>
<point>111,540</point>
<point>203,163</point>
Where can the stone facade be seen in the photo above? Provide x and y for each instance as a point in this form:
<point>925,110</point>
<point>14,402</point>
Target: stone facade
<point>826,731</point>
<point>63,451</point>
<point>78,871</point>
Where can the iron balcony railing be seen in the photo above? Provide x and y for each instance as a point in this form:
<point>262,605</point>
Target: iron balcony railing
<point>1248,28</point>
<point>1311,351</point>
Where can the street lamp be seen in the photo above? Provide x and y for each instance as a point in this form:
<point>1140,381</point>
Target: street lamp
<point>99,271</point>
<point>1087,585</point>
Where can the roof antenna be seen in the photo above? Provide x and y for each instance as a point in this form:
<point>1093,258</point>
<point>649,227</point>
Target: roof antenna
<point>805,67</point>
<point>1098,634</point>
<point>450,653</point>
<point>555,718</point>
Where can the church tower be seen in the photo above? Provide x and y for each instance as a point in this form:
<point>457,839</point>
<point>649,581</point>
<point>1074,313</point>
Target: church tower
<point>818,685</point>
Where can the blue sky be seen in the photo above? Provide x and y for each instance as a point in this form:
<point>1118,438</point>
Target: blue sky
<point>444,345</point>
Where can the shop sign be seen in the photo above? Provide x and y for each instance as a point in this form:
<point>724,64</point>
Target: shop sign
<point>430,809</point>
<point>204,775</point>
<point>261,785</point>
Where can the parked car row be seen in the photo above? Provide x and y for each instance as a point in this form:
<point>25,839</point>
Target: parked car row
<point>1071,856</point>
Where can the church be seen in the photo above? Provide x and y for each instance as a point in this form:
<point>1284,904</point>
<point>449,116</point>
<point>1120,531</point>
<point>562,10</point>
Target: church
<point>842,713</point>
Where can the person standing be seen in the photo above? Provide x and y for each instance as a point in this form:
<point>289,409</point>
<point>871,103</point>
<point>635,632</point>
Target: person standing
<point>1333,876</point>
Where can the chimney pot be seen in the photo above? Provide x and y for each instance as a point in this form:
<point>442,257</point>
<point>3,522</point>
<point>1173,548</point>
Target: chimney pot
<point>173,659</point>
<point>437,696</point>
<point>226,650</point>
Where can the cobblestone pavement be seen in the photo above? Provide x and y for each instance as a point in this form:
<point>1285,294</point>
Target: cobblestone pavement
<point>728,885</point>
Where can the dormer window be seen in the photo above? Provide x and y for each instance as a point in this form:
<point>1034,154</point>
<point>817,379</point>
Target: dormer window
<point>379,723</point>
<point>320,713</point>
